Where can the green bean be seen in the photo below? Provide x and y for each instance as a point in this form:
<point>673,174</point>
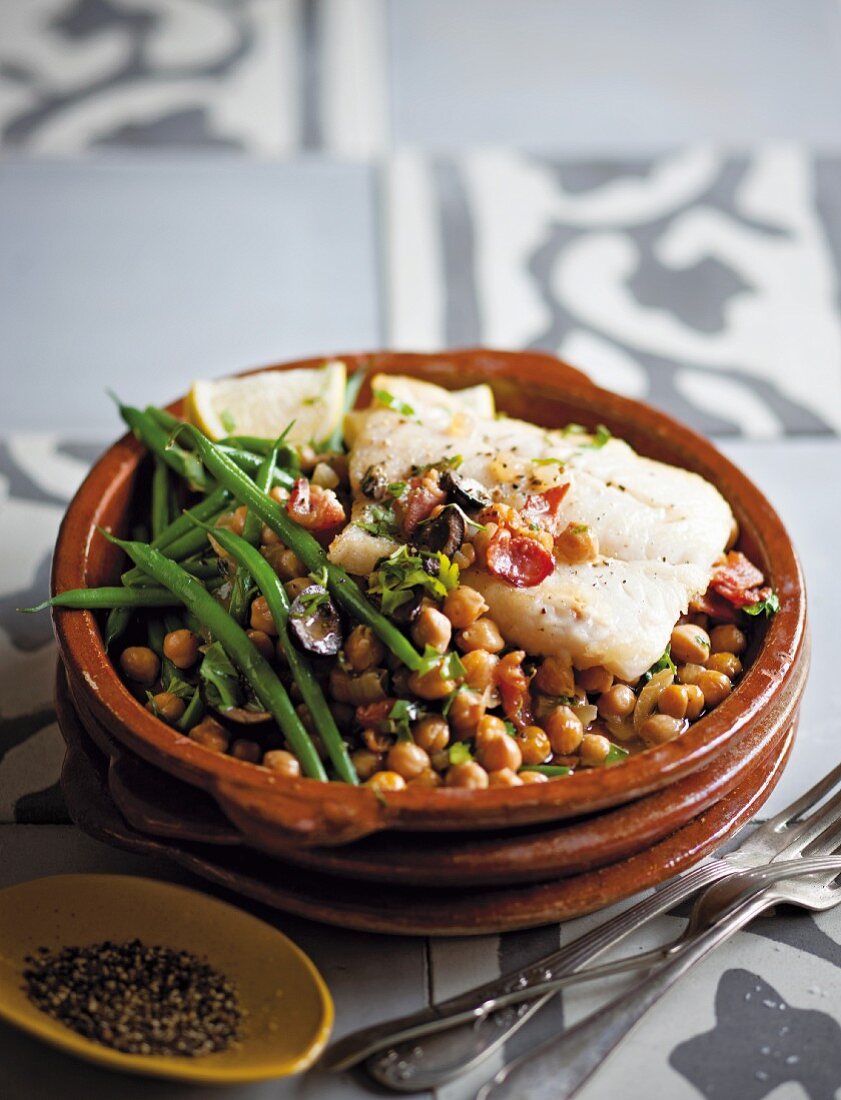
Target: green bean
<point>202,570</point>
<point>249,558</point>
<point>243,586</point>
<point>160,497</point>
<point>236,643</point>
<point>150,432</point>
<point>100,599</point>
<point>207,509</point>
<point>155,635</point>
<point>192,542</point>
<point>193,714</point>
<point>308,549</point>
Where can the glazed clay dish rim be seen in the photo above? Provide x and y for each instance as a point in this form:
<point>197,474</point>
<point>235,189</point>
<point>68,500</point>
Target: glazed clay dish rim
<point>540,376</point>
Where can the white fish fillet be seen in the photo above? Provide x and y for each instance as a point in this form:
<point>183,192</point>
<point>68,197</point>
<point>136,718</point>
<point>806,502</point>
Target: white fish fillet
<point>659,528</point>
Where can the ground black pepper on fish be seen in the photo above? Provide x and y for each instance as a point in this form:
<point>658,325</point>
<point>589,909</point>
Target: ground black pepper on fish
<point>137,998</point>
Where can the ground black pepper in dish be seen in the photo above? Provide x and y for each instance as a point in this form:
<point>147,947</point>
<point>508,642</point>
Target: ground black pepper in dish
<point>136,998</point>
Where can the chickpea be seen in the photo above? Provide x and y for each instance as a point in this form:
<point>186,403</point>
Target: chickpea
<point>479,668</point>
<point>533,777</point>
<point>296,586</point>
<point>534,745</point>
<point>440,760</point>
<point>617,702</point>
<point>504,778</point>
<point>407,759</point>
<point>167,706</point>
<point>690,644</point>
<point>483,634</point>
<point>564,729</point>
<point>496,751</point>
<point>233,521</point>
<point>211,734</point>
<point>366,762</point>
<point>243,749</point>
<point>715,687</point>
<point>432,628</point>
<point>140,663</point>
<point>689,674</point>
<point>695,701</point>
<point>431,685</point>
<point>470,774</point>
<point>674,701</point>
<point>261,617</point>
<point>182,648</point>
<point>278,494</point>
<point>282,762</point>
<point>660,728</point>
<point>268,537</point>
<point>576,544</point>
<point>490,726</point>
<point>728,639</point>
<point>428,780</point>
<point>285,563</point>
<point>386,781</point>
<point>363,649</point>
<point>728,663</point>
<point>376,741</point>
<point>594,749</point>
<point>432,733</point>
<point>466,710</point>
<point>262,643</point>
<point>463,606</point>
<point>555,677</point>
<point>595,680</point>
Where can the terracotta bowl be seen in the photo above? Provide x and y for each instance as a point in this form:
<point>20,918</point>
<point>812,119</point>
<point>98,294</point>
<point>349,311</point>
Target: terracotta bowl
<point>534,387</point>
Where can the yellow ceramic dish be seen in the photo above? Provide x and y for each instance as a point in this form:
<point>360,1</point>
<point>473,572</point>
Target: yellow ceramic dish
<point>288,1009</point>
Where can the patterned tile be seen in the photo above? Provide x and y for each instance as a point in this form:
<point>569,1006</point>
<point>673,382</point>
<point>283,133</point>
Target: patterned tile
<point>705,283</point>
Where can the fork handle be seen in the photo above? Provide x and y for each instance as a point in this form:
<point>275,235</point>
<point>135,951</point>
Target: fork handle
<point>558,1068</point>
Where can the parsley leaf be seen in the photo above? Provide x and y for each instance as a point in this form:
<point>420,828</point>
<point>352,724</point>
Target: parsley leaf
<point>397,488</point>
<point>615,756</point>
<point>548,462</point>
<point>658,666</point>
<point>460,753</point>
<point>398,576</point>
<point>450,664</point>
<point>768,607</point>
<point>401,714</point>
<point>394,403</point>
<point>220,678</point>
<point>600,437</point>
<point>381,521</point>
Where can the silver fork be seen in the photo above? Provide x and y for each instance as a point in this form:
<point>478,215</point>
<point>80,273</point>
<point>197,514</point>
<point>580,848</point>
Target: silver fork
<point>460,1032</point>
<point>558,1068</point>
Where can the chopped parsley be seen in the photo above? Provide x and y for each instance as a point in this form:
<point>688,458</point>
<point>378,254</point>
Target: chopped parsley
<point>548,462</point>
<point>460,753</point>
<point>451,698</point>
<point>393,403</point>
<point>398,576</point>
<point>381,521</point>
<point>580,528</point>
<point>509,728</point>
<point>658,666</point>
<point>397,488</point>
<point>574,429</point>
<point>450,664</point>
<point>551,770</point>
<point>311,603</point>
<point>767,607</point>
<point>616,755</point>
<point>451,463</point>
<point>401,714</point>
<point>600,437</point>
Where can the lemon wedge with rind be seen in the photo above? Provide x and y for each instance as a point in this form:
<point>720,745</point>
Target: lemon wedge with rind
<point>264,404</point>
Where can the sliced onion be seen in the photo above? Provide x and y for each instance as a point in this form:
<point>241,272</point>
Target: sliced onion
<point>650,694</point>
<point>586,713</point>
<point>622,729</point>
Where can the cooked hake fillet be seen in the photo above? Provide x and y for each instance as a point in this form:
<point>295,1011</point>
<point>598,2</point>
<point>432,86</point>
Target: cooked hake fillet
<point>613,613</point>
<point>659,528</point>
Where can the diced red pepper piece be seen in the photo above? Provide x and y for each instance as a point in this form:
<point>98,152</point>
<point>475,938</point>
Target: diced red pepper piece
<point>543,509</point>
<point>517,559</point>
<point>315,508</point>
<point>738,580</point>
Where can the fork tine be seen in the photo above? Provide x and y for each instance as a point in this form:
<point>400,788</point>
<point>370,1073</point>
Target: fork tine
<point>817,832</point>
<point>806,801</point>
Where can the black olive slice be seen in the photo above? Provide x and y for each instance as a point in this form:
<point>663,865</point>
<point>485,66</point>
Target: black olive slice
<point>314,622</point>
<point>466,492</point>
<point>444,534</point>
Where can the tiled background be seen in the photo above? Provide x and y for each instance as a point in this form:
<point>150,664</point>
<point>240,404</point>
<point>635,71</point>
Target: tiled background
<point>650,189</point>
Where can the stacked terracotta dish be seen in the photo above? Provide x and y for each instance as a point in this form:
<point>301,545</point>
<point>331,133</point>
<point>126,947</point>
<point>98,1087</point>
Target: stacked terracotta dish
<point>434,861</point>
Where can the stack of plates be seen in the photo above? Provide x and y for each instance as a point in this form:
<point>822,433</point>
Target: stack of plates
<point>433,861</point>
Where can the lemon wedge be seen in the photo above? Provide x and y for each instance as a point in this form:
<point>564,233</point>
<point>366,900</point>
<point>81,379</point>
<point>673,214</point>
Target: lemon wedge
<point>264,404</point>
<point>396,390</point>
